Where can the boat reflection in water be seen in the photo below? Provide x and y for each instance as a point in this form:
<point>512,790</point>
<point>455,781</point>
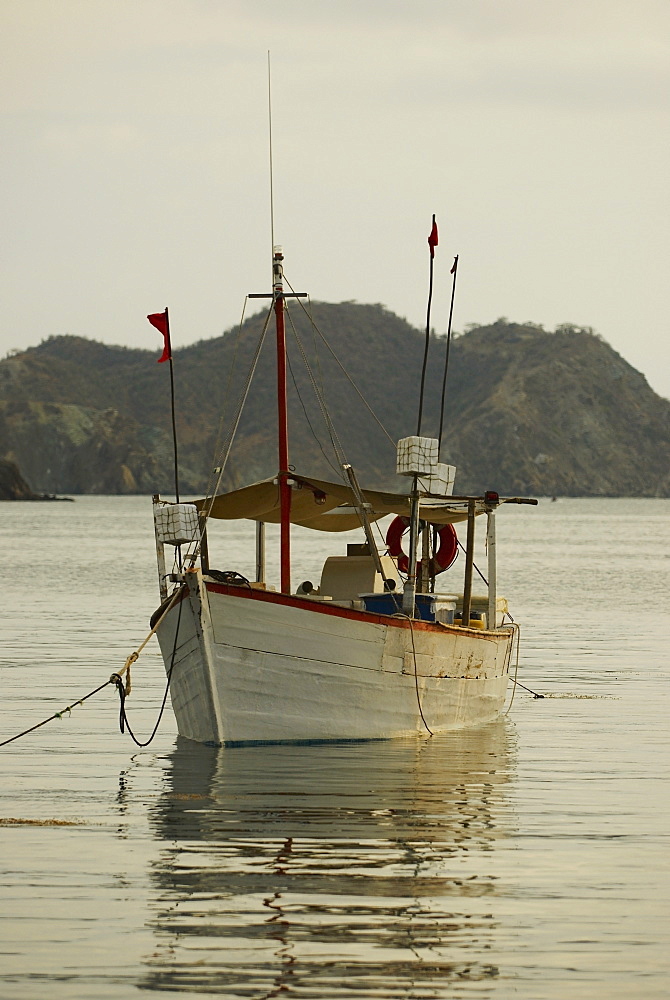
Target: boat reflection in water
<point>332,870</point>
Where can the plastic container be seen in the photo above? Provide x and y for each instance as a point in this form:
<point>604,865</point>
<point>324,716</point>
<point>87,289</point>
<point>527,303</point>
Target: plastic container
<point>476,619</point>
<point>391,604</point>
<point>416,456</point>
<point>440,482</point>
<point>176,523</point>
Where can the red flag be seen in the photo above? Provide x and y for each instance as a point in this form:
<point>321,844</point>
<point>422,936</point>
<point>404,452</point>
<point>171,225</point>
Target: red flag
<point>455,265</point>
<point>162,323</point>
<point>432,239</point>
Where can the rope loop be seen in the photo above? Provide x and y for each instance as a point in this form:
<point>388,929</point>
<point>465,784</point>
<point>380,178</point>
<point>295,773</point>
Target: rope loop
<point>118,681</point>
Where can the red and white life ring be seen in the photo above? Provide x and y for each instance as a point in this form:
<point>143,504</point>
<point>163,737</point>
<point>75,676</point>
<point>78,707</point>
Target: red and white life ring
<point>443,558</point>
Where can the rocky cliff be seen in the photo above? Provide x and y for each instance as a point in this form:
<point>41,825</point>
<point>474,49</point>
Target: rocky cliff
<point>12,484</point>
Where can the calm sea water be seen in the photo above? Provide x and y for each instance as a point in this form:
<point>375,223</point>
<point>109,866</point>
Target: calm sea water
<point>528,859</point>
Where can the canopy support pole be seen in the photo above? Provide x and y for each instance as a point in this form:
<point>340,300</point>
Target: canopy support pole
<point>469,561</point>
<point>409,592</point>
<point>260,551</point>
<point>160,554</point>
<point>491,555</point>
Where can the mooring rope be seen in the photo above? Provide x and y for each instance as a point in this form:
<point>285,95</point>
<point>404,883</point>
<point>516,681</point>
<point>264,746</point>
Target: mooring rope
<point>516,634</point>
<point>56,715</point>
<point>407,618</point>
<point>416,678</point>
<point>122,686</point>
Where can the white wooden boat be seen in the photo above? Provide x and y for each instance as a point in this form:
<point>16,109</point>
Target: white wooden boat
<point>370,653</point>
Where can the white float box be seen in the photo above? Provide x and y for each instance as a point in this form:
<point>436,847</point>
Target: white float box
<point>440,482</point>
<point>417,456</point>
<point>176,523</point>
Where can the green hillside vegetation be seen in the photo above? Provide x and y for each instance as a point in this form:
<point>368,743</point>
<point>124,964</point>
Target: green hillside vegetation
<point>528,411</point>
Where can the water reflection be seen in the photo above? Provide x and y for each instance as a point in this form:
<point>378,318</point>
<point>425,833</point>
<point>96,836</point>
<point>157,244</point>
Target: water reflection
<point>331,871</point>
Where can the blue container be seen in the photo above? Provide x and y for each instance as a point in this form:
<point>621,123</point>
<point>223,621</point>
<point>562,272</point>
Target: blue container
<point>391,604</point>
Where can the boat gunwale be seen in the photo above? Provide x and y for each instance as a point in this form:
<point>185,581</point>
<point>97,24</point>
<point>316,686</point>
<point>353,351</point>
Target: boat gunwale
<point>328,608</point>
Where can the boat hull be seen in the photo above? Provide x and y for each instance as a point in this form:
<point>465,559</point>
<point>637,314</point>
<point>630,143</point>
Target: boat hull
<point>254,666</point>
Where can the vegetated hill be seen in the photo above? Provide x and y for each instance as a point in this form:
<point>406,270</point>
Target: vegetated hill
<point>527,411</point>
<point>558,413</point>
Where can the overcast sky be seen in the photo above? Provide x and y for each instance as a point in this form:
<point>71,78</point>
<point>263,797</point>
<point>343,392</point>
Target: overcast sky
<point>135,166</point>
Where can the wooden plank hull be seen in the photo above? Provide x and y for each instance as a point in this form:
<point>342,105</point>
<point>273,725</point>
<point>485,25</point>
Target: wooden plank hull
<point>252,666</point>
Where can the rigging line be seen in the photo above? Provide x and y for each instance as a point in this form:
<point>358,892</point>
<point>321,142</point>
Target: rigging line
<point>382,537</point>
<point>309,422</point>
<point>225,453</point>
<point>242,401</point>
<point>483,578</point>
<point>317,356</point>
<point>344,370</point>
<point>364,509</point>
<point>244,388</point>
<point>335,441</point>
<point>454,272</point>
<point>226,397</point>
<point>318,377</point>
<point>346,374</point>
<point>56,715</point>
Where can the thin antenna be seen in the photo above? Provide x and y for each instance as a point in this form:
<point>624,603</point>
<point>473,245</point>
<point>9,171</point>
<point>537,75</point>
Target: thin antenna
<point>432,243</point>
<point>272,198</point>
<point>454,271</point>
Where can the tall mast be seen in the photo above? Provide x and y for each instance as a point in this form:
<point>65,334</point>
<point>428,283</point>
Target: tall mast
<point>278,295</point>
<point>282,422</point>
